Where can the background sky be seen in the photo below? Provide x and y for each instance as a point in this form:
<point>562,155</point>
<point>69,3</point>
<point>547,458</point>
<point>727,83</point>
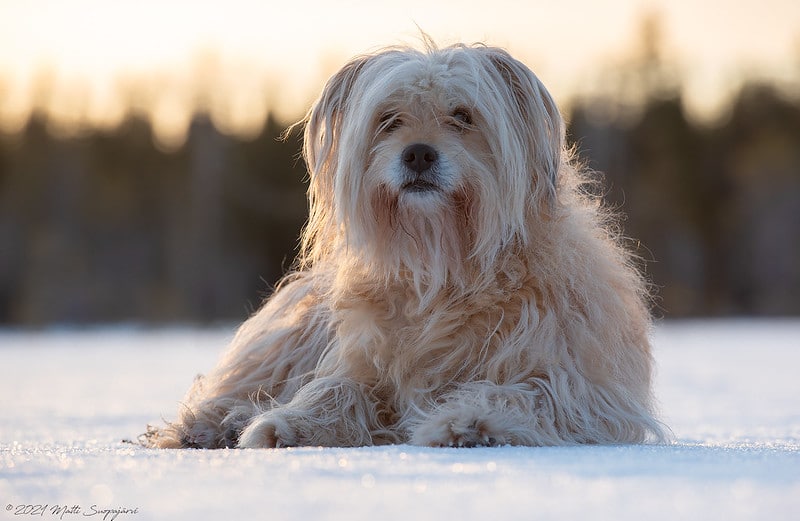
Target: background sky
<point>91,60</point>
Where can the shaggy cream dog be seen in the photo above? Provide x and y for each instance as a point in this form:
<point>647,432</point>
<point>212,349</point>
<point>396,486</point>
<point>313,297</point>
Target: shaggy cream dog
<point>456,286</point>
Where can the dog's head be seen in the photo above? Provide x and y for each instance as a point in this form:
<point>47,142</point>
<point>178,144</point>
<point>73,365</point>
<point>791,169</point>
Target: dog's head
<point>423,161</point>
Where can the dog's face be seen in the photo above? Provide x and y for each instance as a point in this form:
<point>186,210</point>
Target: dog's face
<point>426,146</point>
<point>423,161</point>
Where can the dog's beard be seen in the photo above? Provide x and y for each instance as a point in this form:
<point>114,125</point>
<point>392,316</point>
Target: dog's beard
<point>422,236</point>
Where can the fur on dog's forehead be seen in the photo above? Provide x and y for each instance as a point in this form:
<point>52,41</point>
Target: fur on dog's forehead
<point>440,80</point>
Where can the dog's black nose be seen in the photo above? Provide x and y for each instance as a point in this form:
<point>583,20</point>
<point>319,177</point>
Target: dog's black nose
<point>419,157</point>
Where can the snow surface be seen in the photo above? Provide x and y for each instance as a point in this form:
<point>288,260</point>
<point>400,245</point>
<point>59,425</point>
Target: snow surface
<point>728,390</point>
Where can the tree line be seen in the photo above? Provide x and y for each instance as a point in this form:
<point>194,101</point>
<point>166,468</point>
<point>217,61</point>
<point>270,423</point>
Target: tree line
<point>105,226</point>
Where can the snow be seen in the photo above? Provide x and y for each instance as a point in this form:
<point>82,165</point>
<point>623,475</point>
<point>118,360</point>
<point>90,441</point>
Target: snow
<point>728,389</point>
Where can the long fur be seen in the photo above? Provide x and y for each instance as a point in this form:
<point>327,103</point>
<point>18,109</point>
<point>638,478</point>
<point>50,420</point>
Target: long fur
<point>498,308</point>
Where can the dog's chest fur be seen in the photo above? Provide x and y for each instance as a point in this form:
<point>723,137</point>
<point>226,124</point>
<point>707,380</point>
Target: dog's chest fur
<point>452,340</point>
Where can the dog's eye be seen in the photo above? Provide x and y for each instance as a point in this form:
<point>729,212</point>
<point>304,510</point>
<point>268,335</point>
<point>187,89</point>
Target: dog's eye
<point>389,122</point>
<point>462,118</point>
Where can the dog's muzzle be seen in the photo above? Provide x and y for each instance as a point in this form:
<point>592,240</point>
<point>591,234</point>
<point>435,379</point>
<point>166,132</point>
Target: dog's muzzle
<point>421,162</point>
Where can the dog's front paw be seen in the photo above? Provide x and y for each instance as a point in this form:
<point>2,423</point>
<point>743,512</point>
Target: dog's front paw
<point>454,431</point>
<point>268,430</point>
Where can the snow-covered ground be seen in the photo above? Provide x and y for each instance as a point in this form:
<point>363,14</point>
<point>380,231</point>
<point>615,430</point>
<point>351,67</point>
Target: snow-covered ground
<point>728,389</point>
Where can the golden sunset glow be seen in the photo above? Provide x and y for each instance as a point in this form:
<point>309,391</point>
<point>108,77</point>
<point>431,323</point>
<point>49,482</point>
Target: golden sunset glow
<point>94,61</point>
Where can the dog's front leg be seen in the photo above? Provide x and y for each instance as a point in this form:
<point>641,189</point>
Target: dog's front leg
<point>328,411</point>
<point>487,414</point>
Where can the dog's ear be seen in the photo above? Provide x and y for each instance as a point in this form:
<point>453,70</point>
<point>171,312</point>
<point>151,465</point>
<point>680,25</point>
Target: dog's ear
<point>324,120</point>
<point>323,128</point>
<point>537,110</point>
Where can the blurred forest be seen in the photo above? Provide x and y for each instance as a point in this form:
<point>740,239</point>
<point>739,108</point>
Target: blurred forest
<point>105,226</point>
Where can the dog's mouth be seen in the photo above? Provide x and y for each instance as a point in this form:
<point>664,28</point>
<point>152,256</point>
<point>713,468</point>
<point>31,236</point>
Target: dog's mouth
<point>420,186</point>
